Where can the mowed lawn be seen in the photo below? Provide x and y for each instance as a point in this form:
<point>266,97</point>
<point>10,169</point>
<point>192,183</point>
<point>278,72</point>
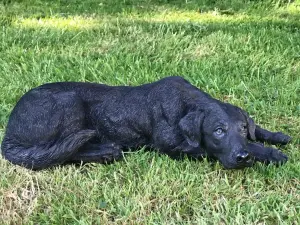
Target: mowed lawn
<point>243,52</point>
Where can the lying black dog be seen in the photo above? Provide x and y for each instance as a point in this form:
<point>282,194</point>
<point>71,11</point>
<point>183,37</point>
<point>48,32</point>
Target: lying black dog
<point>65,122</point>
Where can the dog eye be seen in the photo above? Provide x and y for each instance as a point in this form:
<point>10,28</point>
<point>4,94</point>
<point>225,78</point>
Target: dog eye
<point>219,131</point>
<point>244,128</point>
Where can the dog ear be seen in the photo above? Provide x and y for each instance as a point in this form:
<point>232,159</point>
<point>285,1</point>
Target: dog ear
<point>251,125</point>
<point>190,126</point>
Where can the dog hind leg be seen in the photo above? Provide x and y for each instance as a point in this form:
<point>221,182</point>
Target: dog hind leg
<point>44,156</point>
<point>45,129</point>
<point>101,153</point>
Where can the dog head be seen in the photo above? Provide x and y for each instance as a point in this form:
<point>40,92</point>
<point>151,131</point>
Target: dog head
<point>222,131</point>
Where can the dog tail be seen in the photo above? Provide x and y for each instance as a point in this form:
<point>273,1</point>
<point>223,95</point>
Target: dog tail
<point>46,155</point>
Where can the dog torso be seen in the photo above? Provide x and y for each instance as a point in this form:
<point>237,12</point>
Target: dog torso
<point>128,116</point>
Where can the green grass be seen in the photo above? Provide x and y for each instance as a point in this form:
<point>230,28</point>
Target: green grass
<point>243,52</point>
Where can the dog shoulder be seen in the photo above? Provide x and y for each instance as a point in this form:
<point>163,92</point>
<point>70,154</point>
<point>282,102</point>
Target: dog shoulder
<point>173,80</point>
<point>171,85</point>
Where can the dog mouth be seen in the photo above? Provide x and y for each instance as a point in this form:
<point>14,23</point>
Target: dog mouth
<point>231,162</point>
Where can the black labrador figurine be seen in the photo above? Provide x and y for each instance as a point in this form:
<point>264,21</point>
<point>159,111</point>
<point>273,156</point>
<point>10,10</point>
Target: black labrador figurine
<point>66,122</point>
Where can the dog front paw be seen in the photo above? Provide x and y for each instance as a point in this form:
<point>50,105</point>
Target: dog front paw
<point>266,155</point>
<point>282,138</point>
<point>276,157</point>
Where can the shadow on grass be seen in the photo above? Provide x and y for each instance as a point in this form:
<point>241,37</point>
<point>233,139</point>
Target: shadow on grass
<point>194,15</point>
<point>46,8</point>
<point>199,27</point>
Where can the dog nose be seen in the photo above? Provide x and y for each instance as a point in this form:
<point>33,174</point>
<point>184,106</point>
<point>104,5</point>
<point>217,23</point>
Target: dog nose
<point>243,157</point>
